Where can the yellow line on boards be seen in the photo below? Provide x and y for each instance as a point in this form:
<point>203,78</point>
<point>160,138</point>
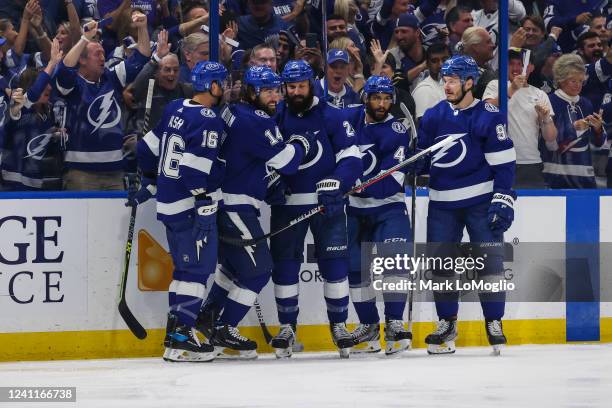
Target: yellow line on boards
<point>121,343</point>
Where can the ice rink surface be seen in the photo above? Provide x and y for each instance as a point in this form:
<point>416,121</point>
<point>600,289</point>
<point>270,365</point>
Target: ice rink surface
<point>576,376</point>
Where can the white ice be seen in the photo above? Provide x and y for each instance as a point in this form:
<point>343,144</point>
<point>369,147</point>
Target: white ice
<point>576,376</point>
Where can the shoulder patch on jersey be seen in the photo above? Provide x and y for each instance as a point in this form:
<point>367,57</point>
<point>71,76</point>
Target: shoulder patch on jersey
<point>398,127</point>
<point>501,132</point>
<point>208,113</point>
<point>491,107</point>
<point>261,113</point>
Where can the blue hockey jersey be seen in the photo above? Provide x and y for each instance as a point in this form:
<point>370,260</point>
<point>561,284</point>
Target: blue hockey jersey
<point>431,20</point>
<point>563,13</point>
<point>335,154</point>
<point>31,153</point>
<point>596,84</point>
<point>479,161</point>
<point>183,151</point>
<point>382,146</point>
<point>570,165</point>
<point>94,121</point>
<point>254,146</point>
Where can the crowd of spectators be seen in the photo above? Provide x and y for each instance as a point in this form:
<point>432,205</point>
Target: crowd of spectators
<point>75,74</point>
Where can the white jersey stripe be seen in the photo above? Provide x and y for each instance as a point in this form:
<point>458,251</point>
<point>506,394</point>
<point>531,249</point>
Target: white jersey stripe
<point>463,193</point>
<point>282,158</point>
<point>501,157</point>
<point>94,157</point>
<point>199,163</point>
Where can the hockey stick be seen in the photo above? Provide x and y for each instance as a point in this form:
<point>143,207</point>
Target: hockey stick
<point>409,123</point>
<point>124,310</point>
<point>356,189</point>
<point>262,322</point>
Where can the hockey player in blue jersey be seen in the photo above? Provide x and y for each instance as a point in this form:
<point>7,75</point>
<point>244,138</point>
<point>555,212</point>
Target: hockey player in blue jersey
<point>470,187</point>
<point>378,215</point>
<point>252,150</point>
<point>331,168</point>
<point>179,163</point>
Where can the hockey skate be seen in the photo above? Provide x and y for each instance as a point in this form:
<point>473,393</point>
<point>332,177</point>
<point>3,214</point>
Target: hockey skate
<point>342,338</point>
<point>182,344</point>
<point>230,344</point>
<point>495,334</point>
<point>366,339</point>
<point>397,337</point>
<point>442,340</point>
<point>205,323</point>
<point>284,341</point>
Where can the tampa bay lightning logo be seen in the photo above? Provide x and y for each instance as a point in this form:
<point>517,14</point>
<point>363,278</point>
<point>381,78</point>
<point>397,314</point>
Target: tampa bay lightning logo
<point>398,127</point>
<point>104,112</point>
<point>449,153</point>
<point>37,146</point>
<point>316,157</point>
<point>208,113</point>
<point>430,32</point>
<point>261,113</point>
<point>369,159</point>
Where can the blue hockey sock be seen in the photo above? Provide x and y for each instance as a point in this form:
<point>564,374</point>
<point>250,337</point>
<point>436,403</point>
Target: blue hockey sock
<point>363,298</point>
<point>185,300</point>
<point>216,297</point>
<point>335,288</point>
<point>447,304</point>
<point>286,290</point>
<point>241,298</point>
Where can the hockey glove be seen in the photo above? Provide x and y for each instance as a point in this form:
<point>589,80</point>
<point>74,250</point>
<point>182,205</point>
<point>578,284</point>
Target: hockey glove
<point>306,141</point>
<point>330,197</point>
<point>276,190</point>
<point>501,211</point>
<point>148,189</point>
<point>205,223</point>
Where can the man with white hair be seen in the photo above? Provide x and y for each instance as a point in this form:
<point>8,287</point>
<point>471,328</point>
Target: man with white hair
<point>478,44</point>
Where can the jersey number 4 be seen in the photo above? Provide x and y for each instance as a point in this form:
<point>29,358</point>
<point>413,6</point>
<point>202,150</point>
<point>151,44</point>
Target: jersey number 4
<point>399,154</point>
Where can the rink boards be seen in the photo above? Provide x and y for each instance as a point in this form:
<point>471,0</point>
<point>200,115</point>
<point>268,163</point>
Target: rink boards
<point>61,259</point>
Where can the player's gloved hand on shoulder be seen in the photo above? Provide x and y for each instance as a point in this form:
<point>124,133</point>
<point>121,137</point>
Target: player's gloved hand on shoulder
<point>148,189</point>
<point>501,211</point>
<point>305,140</point>
<point>205,223</point>
<point>276,190</point>
<point>330,197</point>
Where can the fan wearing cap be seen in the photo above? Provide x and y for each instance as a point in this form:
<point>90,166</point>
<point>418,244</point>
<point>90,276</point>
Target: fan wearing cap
<point>339,93</point>
<point>409,53</point>
<point>386,19</point>
<point>470,187</point>
<point>252,148</point>
<point>180,167</point>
